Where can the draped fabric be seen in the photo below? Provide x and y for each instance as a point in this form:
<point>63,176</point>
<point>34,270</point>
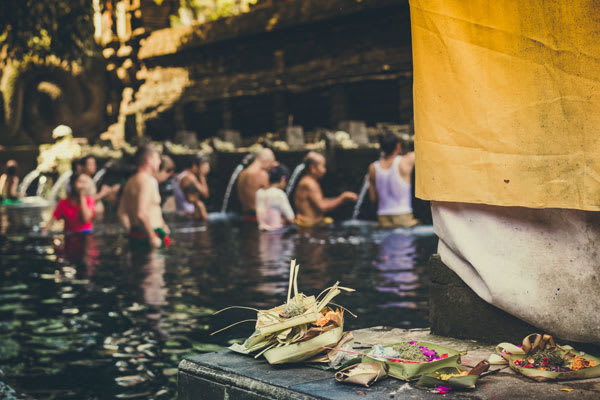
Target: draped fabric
<point>507,102</point>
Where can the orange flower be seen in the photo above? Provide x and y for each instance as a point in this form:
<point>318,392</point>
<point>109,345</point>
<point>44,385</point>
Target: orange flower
<point>329,316</point>
<point>579,362</point>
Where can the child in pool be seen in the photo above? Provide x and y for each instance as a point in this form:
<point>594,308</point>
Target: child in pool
<point>77,209</point>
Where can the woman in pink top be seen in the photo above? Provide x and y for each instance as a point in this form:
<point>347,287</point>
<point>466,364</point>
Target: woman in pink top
<point>77,210</point>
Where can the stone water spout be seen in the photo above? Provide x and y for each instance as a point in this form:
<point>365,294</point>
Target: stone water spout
<point>60,183</point>
<point>41,185</point>
<point>27,181</point>
<point>295,175</point>
<point>361,198</point>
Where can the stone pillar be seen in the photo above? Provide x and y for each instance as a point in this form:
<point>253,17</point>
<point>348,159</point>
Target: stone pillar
<point>140,124</point>
<point>455,310</point>
<point>280,111</point>
<point>405,99</point>
<point>179,117</point>
<point>123,20</point>
<point>227,113</point>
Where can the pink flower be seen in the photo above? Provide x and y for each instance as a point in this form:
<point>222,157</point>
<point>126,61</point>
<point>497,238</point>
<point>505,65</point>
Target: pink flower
<point>413,342</point>
<point>442,389</point>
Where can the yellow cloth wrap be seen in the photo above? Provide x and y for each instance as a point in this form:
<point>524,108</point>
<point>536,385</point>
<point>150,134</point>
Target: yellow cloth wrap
<point>507,102</point>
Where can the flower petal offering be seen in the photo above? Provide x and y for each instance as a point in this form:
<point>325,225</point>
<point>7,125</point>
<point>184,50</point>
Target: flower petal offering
<point>409,360</point>
<point>541,359</point>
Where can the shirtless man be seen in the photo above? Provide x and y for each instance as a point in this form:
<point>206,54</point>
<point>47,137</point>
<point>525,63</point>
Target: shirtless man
<point>139,208</point>
<point>311,206</point>
<point>252,178</point>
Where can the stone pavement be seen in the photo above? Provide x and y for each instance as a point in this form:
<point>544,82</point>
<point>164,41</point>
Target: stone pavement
<point>227,375</point>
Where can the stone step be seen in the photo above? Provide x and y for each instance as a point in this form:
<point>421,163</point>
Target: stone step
<point>228,375</point>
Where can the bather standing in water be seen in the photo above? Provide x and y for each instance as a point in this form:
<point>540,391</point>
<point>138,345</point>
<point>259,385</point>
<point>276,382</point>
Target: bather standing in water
<point>166,182</point>
<point>139,208</point>
<point>311,206</point>
<point>273,209</point>
<point>9,182</point>
<point>192,204</point>
<point>390,184</point>
<point>89,168</point>
<point>76,210</point>
<point>254,177</point>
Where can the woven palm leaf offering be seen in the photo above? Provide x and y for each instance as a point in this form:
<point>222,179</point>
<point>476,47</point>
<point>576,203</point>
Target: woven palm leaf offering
<point>541,359</point>
<point>297,330</point>
<point>410,360</point>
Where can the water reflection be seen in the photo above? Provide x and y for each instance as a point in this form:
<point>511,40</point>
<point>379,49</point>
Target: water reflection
<point>85,317</point>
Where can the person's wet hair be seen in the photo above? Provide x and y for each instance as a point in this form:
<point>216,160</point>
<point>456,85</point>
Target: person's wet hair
<point>84,159</point>
<point>265,154</point>
<point>143,153</point>
<point>278,172</point>
<point>76,162</point>
<point>388,142</point>
<point>73,180</point>
<point>11,168</point>
<point>166,164</point>
<point>197,159</point>
<point>311,159</point>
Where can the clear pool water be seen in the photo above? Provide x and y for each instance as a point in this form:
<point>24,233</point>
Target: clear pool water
<point>86,318</point>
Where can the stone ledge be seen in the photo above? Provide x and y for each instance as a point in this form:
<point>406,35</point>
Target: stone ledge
<point>260,20</point>
<point>228,375</point>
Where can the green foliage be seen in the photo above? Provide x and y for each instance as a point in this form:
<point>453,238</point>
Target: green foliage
<point>62,28</point>
<point>199,11</point>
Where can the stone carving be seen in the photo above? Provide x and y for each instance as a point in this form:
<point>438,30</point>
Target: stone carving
<point>39,96</point>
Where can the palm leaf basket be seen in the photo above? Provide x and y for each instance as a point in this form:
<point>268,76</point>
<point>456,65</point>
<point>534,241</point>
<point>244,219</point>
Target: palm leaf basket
<point>516,356</point>
<point>296,330</point>
<point>410,370</point>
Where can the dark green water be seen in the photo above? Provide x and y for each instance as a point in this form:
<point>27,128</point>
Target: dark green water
<point>85,318</point>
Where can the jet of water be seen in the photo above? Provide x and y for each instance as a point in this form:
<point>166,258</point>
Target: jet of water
<point>361,198</point>
<point>98,175</point>
<point>234,176</point>
<point>41,184</point>
<point>60,182</point>
<point>27,181</point>
<point>299,168</point>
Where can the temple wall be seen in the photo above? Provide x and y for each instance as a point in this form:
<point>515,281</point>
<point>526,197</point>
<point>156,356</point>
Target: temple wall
<point>319,62</point>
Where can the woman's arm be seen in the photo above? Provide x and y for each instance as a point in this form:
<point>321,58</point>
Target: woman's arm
<point>87,213</point>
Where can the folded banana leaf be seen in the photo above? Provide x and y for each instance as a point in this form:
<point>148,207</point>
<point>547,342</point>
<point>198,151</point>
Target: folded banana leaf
<point>302,351</point>
<point>298,329</point>
<point>448,377</point>
<point>519,357</point>
<point>364,374</point>
<point>410,370</point>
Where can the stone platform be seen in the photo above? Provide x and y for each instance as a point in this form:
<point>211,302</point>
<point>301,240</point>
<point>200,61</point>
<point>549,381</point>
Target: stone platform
<point>227,375</point>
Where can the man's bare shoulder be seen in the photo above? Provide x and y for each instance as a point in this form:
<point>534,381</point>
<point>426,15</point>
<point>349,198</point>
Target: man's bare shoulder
<point>254,171</point>
<point>138,182</point>
<point>308,182</point>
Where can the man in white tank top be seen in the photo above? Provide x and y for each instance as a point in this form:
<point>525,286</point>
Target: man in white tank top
<point>390,186</point>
